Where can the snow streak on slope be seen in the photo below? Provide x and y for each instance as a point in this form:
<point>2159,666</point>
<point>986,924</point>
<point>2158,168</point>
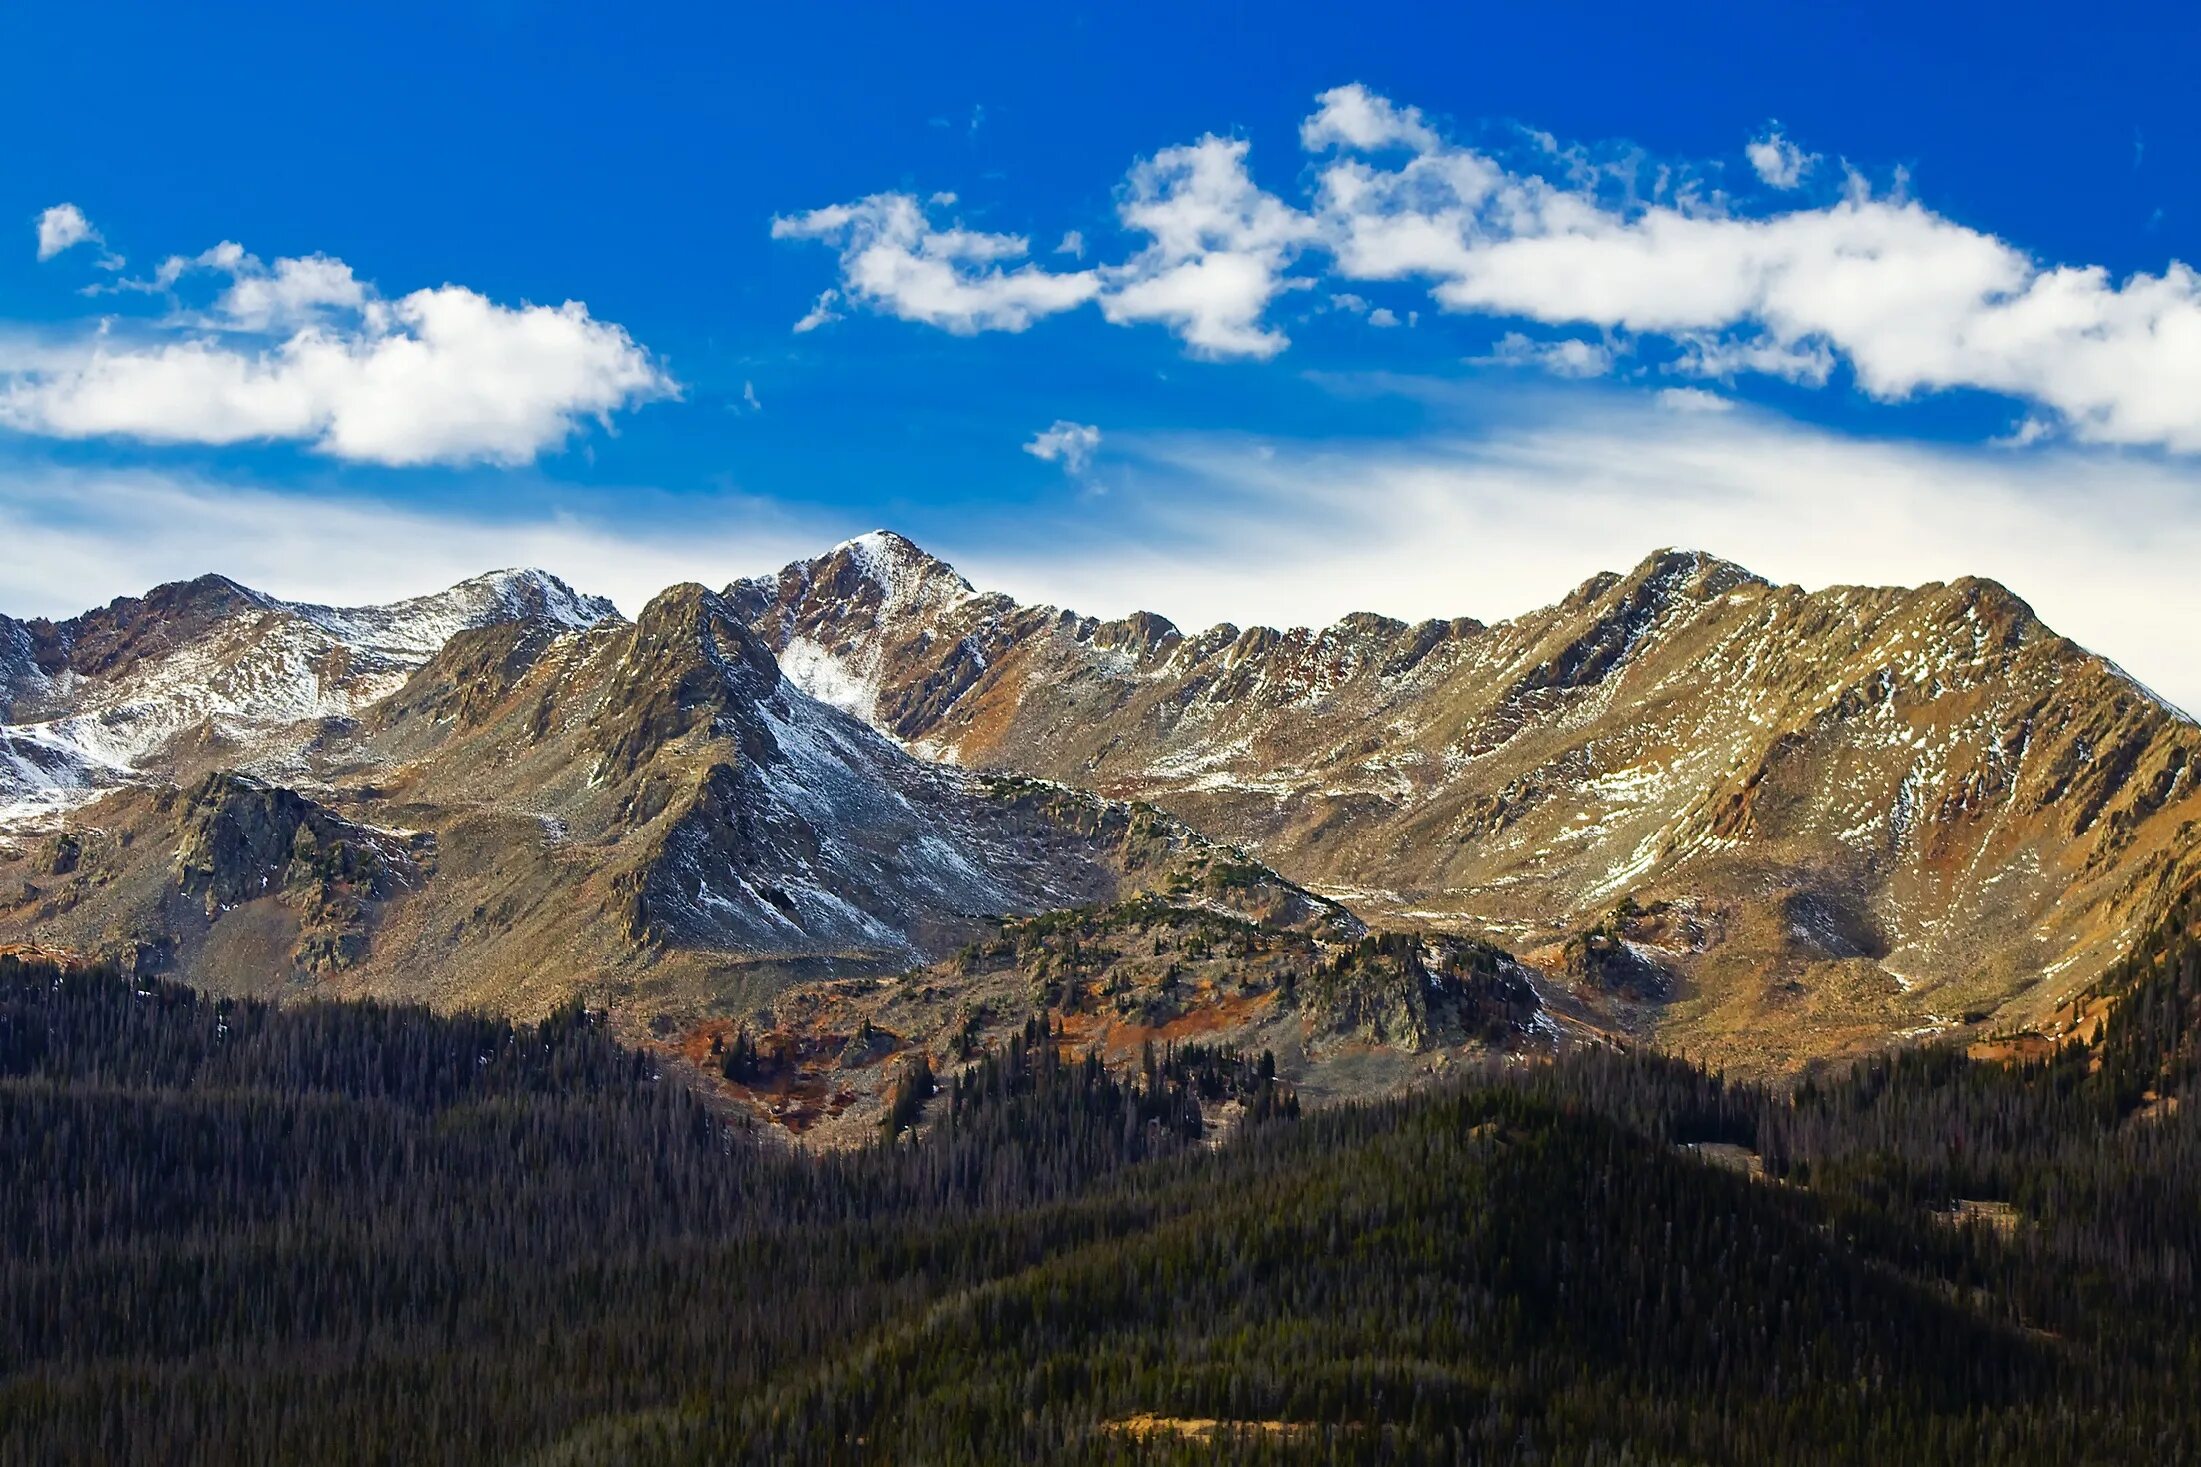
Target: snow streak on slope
<point>251,675</point>
<point>880,577</point>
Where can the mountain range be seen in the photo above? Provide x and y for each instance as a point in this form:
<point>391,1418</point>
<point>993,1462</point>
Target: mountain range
<point>859,809</point>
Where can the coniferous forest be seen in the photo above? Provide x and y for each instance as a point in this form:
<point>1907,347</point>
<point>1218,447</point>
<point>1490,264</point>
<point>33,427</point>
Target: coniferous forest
<point>362,1233</point>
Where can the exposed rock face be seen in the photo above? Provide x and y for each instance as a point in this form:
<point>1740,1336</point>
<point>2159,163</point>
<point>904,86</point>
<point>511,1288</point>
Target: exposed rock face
<point>1764,823</point>
<point>242,840</point>
<point>207,673</point>
<point>1397,989</point>
<point>612,805</point>
<point>1979,808</point>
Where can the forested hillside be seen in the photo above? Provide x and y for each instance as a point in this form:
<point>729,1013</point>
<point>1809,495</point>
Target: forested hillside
<point>360,1233</point>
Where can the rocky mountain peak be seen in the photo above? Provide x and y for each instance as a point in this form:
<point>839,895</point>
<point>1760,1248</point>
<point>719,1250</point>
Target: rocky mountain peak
<point>689,631</point>
<point>883,570</point>
<point>210,668</point>
<point>528,594</point>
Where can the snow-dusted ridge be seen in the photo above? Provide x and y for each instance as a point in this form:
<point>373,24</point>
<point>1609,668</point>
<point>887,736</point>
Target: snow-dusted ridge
<point>261,667</point>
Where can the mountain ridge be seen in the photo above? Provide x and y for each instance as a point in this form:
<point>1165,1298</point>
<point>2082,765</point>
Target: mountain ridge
<point>1764,823</point>
<point>650,815</point>
<point>1886,754</point>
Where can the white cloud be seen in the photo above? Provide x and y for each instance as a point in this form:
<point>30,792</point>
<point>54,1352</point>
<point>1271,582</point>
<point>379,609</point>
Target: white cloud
<point>1218,250</point>
<point>1360,305</point>
<point>821,312</point>
<point>1777,161</point>
<point>1070,444</point>
<point>1207,528</point>
<point>1567,357</point>
<point>1215,258</point>
<point>2024,435</point>
<point>63,227</point>
<point>1728,357</point>
<point>1912,301</point>
<point>294,293</point>
<point>304,351</point>
<point>1909,300</point>
<point>895,260</point>
<point>1354,117</point>
<point>1073,244</point>
<point>1694,400</point>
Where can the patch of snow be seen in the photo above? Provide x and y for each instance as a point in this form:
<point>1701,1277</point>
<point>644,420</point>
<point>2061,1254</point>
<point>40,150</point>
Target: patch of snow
<point>833,679</point>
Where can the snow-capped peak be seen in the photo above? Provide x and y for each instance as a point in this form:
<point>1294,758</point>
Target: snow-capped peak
<point>904,573</point>
<point>241,661</point>
<point>416,628</point>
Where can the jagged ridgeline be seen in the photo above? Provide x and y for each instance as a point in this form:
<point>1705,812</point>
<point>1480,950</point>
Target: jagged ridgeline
<point>860,798</point>
<point>1753,820</point>
<point>359,1232</point>
<point>532,799</point>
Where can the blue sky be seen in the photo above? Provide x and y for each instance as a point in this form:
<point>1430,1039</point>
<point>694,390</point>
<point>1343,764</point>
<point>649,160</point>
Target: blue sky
<point>1433,313</point>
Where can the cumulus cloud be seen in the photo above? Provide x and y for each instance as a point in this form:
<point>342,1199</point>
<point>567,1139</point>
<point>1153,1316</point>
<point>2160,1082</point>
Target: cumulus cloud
<point>1911,301</point>
<point>1070,444</point>
<point>1354,117</point>
<point>63,227</point>
<point>1789,284</point>
<point>1777,161</point>
<point>304,351</point>
<point>1361,306</point>
<point>1217,253</point>
<point>290,294</point>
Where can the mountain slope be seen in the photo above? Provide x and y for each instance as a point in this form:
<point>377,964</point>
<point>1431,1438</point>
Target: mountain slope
<point>200,674</point>
<point>1754,817</point>
<point>646,812</point>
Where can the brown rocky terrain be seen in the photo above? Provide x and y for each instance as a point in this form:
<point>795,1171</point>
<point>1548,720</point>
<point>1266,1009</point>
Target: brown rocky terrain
<point>858,812</point>
<point>650,816</point>
<point>1750,819</point>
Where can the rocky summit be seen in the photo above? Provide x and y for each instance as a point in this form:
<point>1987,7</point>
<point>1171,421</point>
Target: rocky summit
<point>858,812</point>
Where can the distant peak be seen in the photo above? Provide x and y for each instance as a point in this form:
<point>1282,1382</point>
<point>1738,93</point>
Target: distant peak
<point>534,594</point>
<point>1697,570</point>
<point>887,542</point>
<point>1666,576</point>
<point>207,590</point>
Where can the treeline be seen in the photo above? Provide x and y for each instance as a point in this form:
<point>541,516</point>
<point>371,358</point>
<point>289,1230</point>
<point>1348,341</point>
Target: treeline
<point>364,1233</point>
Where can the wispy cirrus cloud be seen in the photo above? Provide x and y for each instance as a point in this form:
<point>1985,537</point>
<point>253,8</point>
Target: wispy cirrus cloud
<point>1806,279</point>
<point>1507,500</point>
<point>1513,498</point>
